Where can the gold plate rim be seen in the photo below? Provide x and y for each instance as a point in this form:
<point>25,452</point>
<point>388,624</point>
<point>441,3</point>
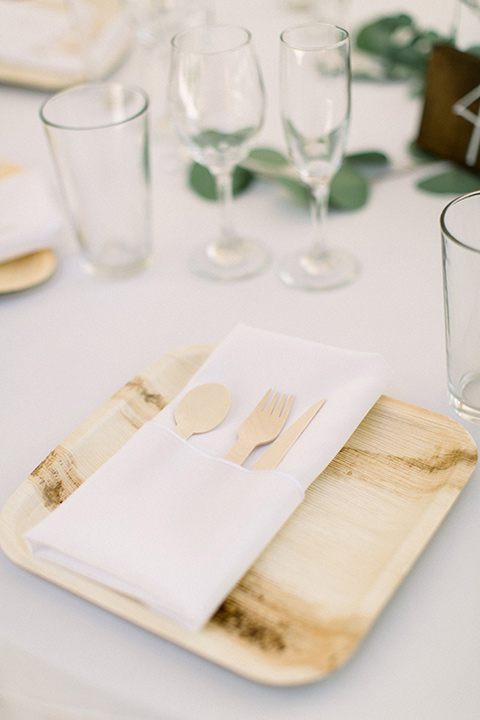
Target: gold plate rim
<point>27,271</point>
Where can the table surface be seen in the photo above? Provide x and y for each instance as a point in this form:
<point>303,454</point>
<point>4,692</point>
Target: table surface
<point>68,345</point>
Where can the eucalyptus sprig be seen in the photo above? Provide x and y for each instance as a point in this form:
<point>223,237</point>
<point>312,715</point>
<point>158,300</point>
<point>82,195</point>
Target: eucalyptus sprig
<point>401,50</point>
<point>455,180</point>
<point>400,47</point>
<point>349,189</point>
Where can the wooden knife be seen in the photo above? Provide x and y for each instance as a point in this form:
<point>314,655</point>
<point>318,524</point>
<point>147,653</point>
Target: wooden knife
<point>277,451</point>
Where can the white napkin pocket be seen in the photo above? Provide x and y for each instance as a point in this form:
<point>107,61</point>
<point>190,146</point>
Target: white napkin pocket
<point>168,524</point>
<point>29,218</point>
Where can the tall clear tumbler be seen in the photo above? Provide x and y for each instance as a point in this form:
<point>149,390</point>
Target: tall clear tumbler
<point>98,135</point>
<point>460,222</point>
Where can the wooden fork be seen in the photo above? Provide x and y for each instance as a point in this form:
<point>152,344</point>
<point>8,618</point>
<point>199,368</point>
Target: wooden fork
<point>262,426</point>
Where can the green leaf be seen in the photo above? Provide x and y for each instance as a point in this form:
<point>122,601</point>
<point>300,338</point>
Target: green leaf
<point>202,181</point>
<point>267,156</point>
<point>296,188</point>
<point>241,179</point>
<point>420,154</point>
<point>456,181</point>
<point>370,160</point>
<point>403,48</point>
<point>349,189</point>
<point>220,141</point>
<point>376,37</point>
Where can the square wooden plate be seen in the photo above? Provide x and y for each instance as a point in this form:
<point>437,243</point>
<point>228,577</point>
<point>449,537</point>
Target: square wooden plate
<point>306,604</point>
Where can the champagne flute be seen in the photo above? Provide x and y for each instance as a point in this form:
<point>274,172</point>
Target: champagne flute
<point>217,103</point>
<point>315,111</point>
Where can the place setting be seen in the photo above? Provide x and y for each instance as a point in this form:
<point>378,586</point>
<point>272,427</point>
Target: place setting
<point>260,501</point>
<point>182,514</point>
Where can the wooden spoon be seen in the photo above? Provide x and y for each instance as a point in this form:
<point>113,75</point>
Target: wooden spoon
<point>201,409</point>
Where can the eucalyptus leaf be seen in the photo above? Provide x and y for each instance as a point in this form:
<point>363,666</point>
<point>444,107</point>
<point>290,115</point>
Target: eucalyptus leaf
<point>269,157</point>
<point>400,44</point>
<point>369,160</point>
<point>219,141</point>
<point>456,181</point>
<point>242,178</point>
<point>296,188</point>
<point>420,154</point>
<point>349,189</point>
<point>376,37</point>
<point>202,181</point>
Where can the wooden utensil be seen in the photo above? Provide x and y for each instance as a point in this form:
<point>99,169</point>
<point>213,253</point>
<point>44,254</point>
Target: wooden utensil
<point>201,409</point>
<point>277,451</point>
<point>262,426</point>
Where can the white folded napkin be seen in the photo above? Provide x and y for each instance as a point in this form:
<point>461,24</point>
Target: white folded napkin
<point>29,218</point>
<point>37,36</point>
<point>48,38</point>
<point>170,522</point>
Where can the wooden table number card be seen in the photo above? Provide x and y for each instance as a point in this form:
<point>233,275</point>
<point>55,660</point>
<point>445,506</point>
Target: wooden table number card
<point>450,125</point>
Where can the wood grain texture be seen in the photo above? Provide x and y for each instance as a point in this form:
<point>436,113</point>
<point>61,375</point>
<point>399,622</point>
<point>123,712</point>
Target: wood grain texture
<point>305,605</point>
<point>451,87</point>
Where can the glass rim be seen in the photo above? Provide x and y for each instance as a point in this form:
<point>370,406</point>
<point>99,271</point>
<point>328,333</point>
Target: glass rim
<point>314,48</point>
<point>196,28</point>
<point>83,86</point>
<point>443,223</point>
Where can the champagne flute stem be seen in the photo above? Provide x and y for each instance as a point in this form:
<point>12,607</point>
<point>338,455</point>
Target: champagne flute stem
<point>225,199</point>
<point>318,209</point>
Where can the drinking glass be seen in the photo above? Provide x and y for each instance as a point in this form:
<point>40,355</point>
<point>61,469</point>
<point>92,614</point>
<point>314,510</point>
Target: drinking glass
<point>217,103</point>
<point>459,221</point>
<point>98,135</point>
<point>315,111</point>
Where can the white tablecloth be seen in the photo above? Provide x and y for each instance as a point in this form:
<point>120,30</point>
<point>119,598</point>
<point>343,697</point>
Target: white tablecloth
<point>67,346</point>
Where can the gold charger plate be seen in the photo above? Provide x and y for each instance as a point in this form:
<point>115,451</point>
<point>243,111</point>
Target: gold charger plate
<point>309,600</point>
<point>27,271</point>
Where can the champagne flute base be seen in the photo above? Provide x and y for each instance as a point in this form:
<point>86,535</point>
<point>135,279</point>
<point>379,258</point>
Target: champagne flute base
<point>323,271</point>
<point>234,261</point>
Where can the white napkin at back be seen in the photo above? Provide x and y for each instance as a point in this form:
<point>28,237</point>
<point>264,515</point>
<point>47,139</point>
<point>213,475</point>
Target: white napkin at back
<point>47,37</point>
<point>170,522</point>
<point>29,219</point>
